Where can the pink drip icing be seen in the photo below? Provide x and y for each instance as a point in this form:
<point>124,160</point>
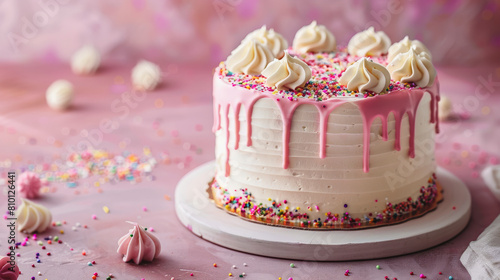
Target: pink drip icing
<point>397,134</point>
<point>226,114</point>
<point>434,104</point>
<point>249,109</point>
<point>324,113</point>
<point>398,102</point>
<point>237,125</point>
<point>287,109</point>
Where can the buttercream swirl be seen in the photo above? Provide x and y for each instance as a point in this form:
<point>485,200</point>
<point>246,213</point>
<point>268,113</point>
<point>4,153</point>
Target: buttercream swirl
<point>29,185</point>
<point>314,38</point>
<point>7,271</point>
<point>287,73</point>
<point>139,245</point>
<point>269,38</point>
<point>250,57</point>
<point>405,45</point>
<point>365,75</point>
<point>369,43</point>
<point>32,217</point>
<point>410,67</point>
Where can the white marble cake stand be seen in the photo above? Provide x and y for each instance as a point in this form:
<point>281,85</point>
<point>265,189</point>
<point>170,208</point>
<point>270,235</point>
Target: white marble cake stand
<point>204,219</point>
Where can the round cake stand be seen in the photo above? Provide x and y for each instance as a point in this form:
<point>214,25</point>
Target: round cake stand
<point>200,215</point>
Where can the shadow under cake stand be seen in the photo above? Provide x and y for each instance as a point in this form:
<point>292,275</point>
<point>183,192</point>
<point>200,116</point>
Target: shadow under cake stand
<point>200,215</point>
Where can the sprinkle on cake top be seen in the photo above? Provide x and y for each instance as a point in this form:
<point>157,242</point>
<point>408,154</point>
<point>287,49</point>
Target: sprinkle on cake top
<point>328,67</point>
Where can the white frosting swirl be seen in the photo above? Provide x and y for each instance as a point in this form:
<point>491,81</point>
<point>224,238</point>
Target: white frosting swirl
<point>269,38</point>
<point>369,43</point>
<point>146,75</point>
<point>32,217</point>
<point>314,38</point>
<point>250,57</point>
<point>138,245</point>
<point>59,95</point>
<point>405,45</point>
<point>287,73</point>
<point>365,75</point>
<point>410,67</point>
<point>86,60</point>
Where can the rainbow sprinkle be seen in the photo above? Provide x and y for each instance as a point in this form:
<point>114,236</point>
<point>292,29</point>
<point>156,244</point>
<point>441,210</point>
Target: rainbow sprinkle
<point>326,69</point>
<point>107,166</point>
<point>277,213</point>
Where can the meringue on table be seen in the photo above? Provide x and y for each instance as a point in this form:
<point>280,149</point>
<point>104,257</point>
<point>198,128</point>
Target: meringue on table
<point>7,271</point>
<point>59,95</point>
<point>32,217</point>
<point>29,185</point>
<point>445,108</point>
<point>138,245</point>
<point>86,60</point>
<point>146,75</point>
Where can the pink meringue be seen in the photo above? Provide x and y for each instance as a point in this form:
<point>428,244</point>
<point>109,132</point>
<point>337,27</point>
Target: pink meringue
<point>29,185</point>
<point>7,271</point>
<point>139,245</point>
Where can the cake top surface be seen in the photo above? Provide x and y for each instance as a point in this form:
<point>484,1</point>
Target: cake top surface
<point>326,68</point>
<point>367,67</point>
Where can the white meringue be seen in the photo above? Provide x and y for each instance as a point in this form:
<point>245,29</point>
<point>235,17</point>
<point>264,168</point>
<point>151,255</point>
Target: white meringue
<point>86,60</point>
<point>146,75</point>
<point>491,176</point>
<point>32,217</point>
<point>59,95</point>
<point>445,108</point>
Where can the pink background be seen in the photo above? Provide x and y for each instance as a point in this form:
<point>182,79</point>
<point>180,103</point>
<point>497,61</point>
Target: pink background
<point>187,39</point>
<point>456,31</point>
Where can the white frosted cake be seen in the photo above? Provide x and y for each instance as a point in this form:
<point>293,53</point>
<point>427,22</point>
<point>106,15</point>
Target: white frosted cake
<point>320,136</point>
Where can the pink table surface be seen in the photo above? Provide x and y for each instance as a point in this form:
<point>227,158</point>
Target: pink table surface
<point>176,119</point>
